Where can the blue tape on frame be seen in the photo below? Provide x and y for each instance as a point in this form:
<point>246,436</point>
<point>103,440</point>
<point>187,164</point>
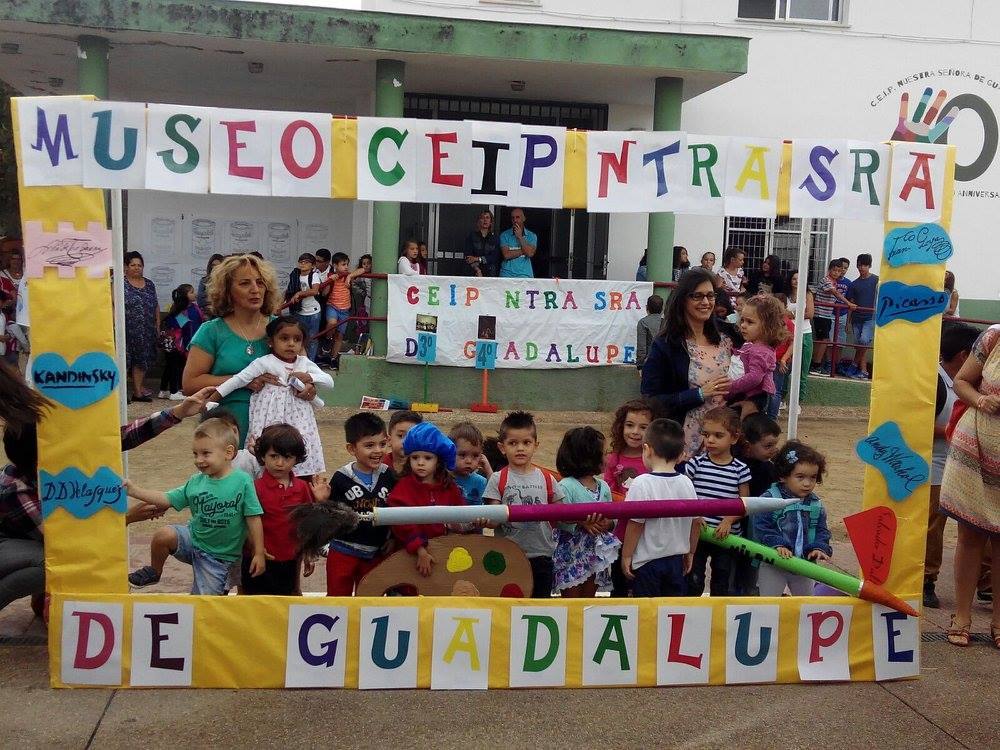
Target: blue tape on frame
<point>80,495</point>
<point>913,302</point>
<point>904,469</point>
<point>426,347</point>
<point>486,355</point>
<point>91,378</point>
<point>926,243</point>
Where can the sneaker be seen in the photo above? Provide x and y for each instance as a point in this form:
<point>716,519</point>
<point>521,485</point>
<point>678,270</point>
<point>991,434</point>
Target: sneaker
<point>985,595</point>
<point>335,364</point>
<point>824,369</point>
<point>930,597</point>
<point>144,576</point>
<point>177,396</point>
<point>163,394</point>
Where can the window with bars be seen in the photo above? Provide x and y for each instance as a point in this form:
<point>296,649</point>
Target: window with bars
<point>792,10</point>
<point>759,238</point>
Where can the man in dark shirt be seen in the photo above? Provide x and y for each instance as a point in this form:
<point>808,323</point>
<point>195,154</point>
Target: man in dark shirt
<point>862,293</point>
<point>481,250</point>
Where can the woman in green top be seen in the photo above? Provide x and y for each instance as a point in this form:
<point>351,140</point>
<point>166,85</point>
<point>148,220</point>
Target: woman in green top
<point>243,292</point>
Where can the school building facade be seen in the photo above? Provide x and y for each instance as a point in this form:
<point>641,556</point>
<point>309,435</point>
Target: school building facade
<point>788,68</point>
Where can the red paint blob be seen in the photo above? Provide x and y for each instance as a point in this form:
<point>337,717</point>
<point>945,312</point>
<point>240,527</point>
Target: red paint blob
<point>512,591</point>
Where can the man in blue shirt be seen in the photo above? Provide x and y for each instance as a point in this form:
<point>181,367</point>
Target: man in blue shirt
<point>517,246</point>
<point>863,292</point>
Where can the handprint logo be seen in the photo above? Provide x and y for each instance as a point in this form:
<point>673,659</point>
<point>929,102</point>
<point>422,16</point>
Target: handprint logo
<point>922,128</point>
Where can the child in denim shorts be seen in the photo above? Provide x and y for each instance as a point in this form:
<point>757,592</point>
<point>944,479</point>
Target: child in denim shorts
<point>224,511</point>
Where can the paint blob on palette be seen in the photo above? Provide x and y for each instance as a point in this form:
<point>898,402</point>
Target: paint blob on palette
<point>491,566</point>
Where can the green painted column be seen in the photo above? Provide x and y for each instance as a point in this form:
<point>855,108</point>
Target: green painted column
<point>92,66</point>
<point>385,215</point>
<point>666,116</point>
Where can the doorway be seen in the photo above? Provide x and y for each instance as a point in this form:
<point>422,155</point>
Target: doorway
<point>571,242</point>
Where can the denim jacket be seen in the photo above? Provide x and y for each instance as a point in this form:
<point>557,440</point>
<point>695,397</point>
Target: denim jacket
<point>790,527</point>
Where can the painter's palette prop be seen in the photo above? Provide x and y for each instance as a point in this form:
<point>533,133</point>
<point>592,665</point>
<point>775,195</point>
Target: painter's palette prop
<point>926,244</point>
<point>79,494</point>
<point>886,449</point>
<point>67,249</point>
<point>873,536</point>
<point>912,302</point>
<point>91,378</point>
<point>492,566</point>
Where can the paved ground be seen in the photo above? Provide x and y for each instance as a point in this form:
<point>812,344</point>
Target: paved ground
<point>953,705</point>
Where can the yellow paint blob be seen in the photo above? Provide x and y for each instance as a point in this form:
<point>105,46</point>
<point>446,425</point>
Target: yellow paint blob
<point>458,560</point>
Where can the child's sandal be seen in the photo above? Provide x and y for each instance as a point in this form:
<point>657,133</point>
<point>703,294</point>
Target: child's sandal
<point>959,635</point>
<point>995,635</point>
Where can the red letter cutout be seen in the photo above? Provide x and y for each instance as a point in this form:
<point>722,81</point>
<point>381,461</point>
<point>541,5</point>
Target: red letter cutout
<point>455,180</point>
<point>817,641</point>
<point>921,164</point>
<point>674,650</point>
<point>288,156</point>
<point>235,168</point>
<point>81,660</point>
<point>617,164</point>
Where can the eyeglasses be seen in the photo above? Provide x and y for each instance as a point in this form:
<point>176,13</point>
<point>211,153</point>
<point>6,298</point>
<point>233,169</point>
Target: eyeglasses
<point>699,296</point>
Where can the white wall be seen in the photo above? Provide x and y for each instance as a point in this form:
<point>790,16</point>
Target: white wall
<point>185,264</point>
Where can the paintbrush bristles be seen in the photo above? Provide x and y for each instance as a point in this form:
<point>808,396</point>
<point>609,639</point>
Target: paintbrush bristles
<point>317,524</point>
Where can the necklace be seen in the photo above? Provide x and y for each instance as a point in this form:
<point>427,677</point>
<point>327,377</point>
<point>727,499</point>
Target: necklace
<point>249,349</point>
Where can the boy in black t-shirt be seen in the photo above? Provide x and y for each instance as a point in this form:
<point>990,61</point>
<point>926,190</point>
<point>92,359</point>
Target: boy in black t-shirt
<point>362,485</point>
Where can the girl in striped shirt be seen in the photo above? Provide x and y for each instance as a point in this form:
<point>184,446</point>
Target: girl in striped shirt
<point>717,474</point>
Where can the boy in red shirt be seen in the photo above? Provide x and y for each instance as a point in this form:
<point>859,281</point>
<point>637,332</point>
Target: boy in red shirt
<point>278,449</point>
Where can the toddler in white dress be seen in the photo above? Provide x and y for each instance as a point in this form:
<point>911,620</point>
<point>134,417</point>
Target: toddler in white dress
<point>276,403</point>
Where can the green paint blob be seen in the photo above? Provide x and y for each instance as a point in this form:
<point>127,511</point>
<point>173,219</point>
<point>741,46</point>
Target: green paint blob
<point>494,563</point>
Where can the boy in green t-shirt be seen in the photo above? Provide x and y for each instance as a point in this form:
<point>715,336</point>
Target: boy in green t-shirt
<point>224,510</point>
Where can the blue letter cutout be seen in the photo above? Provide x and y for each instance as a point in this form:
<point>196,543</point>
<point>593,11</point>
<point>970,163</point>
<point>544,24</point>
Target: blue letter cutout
<point>328,656</point>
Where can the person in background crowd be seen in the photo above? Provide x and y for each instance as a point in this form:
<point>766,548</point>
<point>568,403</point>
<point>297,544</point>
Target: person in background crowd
<point>482,252</point>
<point>768,280</point>
<point>862,293</point>
<point>970,485</point>
<point>361,294</point>
<point>827,295</point>
<point>844,287</point>
<point>338,302</point>
<point>323,268</point>
<point>409,259</point>
<point>731,274</point>
<point>518,246</point>
<point>681,262</point>
<point>422,254</point>
<point>708,261</point>
<point>142,311</point>
<point>642,272</point>
<point>10,281</point>
<point>648,328</point>
<point>807,330</point>
<point>686,369</point>
<point>180,325</point>
<point>957,340</point>
<point>301,294</point>
<point>949,285</point>
<point>202,296</point>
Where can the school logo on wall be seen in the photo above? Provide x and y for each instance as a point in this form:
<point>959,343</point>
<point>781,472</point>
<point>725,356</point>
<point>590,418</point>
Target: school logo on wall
<point>932,113</point>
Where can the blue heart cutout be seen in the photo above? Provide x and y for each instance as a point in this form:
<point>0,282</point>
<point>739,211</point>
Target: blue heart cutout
<point>91,378</point>
<point>903,468</point>
<point>80,495</point>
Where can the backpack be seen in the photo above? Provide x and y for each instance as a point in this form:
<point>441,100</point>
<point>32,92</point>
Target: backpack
<point>549,493</point>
